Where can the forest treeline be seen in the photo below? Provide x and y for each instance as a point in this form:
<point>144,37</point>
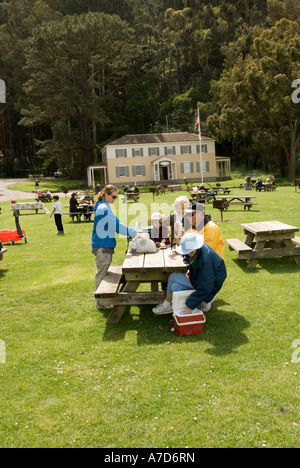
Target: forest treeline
<point>80,73</point>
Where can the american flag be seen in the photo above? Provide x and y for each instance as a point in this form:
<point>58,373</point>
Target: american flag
<point>198,127</point>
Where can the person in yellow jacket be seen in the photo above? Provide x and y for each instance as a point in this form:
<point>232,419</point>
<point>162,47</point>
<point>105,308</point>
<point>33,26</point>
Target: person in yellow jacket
<point>197,221</point>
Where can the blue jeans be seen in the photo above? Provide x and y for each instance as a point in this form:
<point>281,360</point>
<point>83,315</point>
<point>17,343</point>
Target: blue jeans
<point>178,282</point>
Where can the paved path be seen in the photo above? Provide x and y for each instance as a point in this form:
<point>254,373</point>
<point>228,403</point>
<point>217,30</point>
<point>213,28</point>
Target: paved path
<point>9,195</point>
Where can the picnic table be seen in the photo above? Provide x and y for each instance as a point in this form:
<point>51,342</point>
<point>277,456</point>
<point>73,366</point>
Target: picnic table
<point>225,190</point>
<point>120,286</point>
<point>88,212</point>
<point>17,207</point>
<point>244,200</point>
<point>174,188</point>
<point>269,239</point>
<point>201,197</point>
<point>130,195</point>
<point>269,187</point>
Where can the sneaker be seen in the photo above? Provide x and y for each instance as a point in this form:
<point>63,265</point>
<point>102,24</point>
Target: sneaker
<point>206,306</point>
<point>161,310</point>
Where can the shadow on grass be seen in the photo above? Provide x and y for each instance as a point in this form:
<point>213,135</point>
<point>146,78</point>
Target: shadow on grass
<point>3,273</point>
<point>223,330</point>
<point>274,266</point>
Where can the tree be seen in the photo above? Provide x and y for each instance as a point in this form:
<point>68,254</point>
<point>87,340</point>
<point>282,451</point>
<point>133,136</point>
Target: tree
<point>255,107</point>
<point>74,65</point>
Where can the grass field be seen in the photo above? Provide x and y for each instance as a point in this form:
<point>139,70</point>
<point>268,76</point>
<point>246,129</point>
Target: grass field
<point>70,380</point>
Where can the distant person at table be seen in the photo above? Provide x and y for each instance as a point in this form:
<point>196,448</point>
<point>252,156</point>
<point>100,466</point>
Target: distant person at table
<point>106,226</point>
<point>259,185</point>
<point>57,212</point>
<point>49,195</point>
<point>206,273</point>
<point>176,219</point>
<point>197,221</point>
<point>74,206</point>
<point>136,189</point>
<point>97,189</point>
<point>209,191</point>
<point>87,199</point>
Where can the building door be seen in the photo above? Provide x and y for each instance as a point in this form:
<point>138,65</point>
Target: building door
<point>164,173</point>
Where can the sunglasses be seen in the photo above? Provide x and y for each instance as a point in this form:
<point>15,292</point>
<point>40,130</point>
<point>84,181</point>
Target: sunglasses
<point>114,197</point>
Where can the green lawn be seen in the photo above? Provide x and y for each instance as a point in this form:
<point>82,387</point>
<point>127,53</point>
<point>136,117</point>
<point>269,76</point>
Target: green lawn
<point>72,381</point>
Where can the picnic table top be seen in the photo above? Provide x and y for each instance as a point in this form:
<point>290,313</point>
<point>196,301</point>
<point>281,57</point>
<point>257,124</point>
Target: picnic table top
<point>28,205</point>
<point>269,227</point>
<point>162,260</point>
<point>233,197</point>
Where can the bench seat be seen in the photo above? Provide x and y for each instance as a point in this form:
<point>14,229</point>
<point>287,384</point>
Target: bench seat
<point>74,215</point>
<point>296,240</point>
<point>238,246</point>
<point>110,284</point>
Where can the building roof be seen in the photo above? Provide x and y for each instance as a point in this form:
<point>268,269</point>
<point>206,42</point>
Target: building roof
<point>157,138</point>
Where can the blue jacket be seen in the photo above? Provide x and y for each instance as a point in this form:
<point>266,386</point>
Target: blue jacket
<point>207,275</point>
<point>106,225</point>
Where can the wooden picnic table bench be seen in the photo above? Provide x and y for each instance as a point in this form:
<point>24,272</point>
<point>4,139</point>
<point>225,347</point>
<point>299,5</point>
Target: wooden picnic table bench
<point>242,200</point>
<point>269,239</point>
<point>120,286</point>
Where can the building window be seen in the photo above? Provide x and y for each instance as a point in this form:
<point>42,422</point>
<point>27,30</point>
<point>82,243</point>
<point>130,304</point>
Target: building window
<point>137,152</point>
<point>121,153</point>
<point>122,171</point>
<point>153,152</point>
<point>139,170</point>
<point>170,150</point>
<point>186,149</point>
<point>203,147</point>
<point>205,166</point>
<point>187,167</point>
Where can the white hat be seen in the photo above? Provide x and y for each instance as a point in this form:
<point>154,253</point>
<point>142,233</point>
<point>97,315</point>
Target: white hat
<point>156,215</point>
<point>190,242</point>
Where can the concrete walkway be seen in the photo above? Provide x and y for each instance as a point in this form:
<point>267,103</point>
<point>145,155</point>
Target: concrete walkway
<point>9,195</point>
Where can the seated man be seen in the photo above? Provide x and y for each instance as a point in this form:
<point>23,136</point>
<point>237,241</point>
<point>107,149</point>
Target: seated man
<point>206,275</point>
<point>196,220</point>
<point>87,199</point>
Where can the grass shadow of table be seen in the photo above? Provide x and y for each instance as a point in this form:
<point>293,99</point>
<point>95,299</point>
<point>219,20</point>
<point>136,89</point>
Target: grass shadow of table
<point>273,266</point>
<point>223,330</point>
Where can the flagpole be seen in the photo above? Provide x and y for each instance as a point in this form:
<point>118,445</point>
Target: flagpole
<point>200,141</point>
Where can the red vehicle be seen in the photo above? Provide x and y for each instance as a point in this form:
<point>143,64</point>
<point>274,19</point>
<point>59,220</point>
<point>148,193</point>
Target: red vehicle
<point>10,237</point>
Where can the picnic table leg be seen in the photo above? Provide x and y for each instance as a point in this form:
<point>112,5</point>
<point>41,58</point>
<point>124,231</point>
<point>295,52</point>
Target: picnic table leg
<point>290,244</point>
<point>249,239</point>
<point>118,311</point>
<point>254,261</point>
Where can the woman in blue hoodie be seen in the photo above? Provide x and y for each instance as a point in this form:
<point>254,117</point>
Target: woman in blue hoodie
<point>106,226</point>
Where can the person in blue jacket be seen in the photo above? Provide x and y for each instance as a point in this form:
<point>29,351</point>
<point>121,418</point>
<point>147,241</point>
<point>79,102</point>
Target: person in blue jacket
<point>106,226</point>
<point>205,276</point>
